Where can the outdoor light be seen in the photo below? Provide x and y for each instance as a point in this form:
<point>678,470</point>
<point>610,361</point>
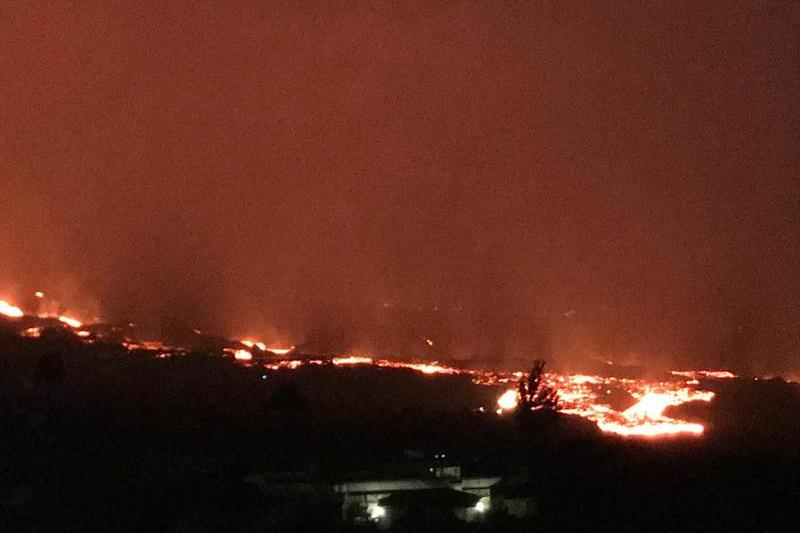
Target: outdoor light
<point>377,512</point>
<point>481,507</point>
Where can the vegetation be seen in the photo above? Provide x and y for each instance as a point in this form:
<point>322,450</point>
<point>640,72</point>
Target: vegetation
<point>533,394</point>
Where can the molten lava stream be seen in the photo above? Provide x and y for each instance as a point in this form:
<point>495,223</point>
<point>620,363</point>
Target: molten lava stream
<point>578,395</point>
<point>9,310</point>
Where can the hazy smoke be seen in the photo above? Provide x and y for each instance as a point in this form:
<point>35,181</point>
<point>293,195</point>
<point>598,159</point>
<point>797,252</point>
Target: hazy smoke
<point>517,180</point>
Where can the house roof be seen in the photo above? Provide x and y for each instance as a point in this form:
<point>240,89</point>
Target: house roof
<point>441,498</point>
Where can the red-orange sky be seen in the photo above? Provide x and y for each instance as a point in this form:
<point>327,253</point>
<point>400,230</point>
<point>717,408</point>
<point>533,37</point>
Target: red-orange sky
<point>507,178</point>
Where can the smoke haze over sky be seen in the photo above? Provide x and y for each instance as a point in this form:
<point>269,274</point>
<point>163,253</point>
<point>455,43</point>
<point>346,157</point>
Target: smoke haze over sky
<point>508,179</point>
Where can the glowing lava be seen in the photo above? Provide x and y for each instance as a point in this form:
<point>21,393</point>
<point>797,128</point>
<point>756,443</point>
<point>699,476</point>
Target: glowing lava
<point>71,322</point>
<point>646,418</point>
<point>9,310</point>
<point>242,355</point>
<point>426,368</point>
<point>279,351</point>
<point>508,400</point>
<point>579,394</point>
<point>582,395</point>
<point>352,360</point>
<point>704,374</point>
<point>650,407</point>
<point>255,344</point>
<point>588,396</point>
<point>264,347</point>
<point>32,333</point>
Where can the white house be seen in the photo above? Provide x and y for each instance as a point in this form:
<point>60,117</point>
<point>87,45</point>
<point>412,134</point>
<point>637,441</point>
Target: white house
<point>383,500</point>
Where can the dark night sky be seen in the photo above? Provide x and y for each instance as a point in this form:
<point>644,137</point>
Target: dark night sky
<point>286,171</point>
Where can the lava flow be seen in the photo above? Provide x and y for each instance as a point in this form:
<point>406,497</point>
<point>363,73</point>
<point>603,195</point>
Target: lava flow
<point>593,397</point>
<point>9,310</point>
<point>585,395</point>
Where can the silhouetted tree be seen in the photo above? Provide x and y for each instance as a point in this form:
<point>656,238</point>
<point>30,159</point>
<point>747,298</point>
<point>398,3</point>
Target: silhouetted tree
<point>533,394</point>
<point>536,411</point>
